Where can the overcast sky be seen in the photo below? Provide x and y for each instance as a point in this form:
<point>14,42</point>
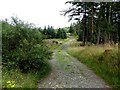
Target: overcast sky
<point>39,12</point>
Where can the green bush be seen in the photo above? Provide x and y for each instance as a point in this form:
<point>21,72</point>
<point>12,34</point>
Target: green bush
<point>23,47</point>
<point>26,61</point>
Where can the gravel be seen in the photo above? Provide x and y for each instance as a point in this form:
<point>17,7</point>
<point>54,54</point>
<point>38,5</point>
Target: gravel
<point>72,75</point>
<point>77,76</point>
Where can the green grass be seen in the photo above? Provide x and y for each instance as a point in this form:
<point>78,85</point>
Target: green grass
<point>103,65</point>
<point>23,80</point>
<point>54,46</point>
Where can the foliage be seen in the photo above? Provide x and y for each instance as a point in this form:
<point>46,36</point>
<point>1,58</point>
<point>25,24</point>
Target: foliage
<point>61,34</point>
<point>71,30</point>
<point>28,80</point>
<point>23,47</point>
<point>97,23</point>
<point>51,33</point>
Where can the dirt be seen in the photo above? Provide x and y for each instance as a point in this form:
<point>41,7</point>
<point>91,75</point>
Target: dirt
<point>70,73</point>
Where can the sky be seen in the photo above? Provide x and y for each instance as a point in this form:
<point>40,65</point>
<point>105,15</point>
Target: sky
<point>40,12</point>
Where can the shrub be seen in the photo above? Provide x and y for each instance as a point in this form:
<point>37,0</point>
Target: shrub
<point>23,47</point>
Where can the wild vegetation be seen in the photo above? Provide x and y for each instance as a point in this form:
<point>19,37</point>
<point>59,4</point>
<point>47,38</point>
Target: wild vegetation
<point>97,27</point>
<point>26,48</point>
<point>24,52</point>
<point>103,60</point>
<point>97,23</point>
<point>51,33</point>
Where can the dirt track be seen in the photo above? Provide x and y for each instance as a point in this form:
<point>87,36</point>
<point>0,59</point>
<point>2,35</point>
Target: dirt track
<point>68,72</point>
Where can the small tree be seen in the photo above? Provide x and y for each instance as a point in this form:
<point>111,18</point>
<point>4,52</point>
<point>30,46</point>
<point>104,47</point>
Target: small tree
<point>61,33</point>
<point>71,30</point>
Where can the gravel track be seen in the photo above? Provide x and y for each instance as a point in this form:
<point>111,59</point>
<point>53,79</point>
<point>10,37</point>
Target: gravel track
<point>70,73</point>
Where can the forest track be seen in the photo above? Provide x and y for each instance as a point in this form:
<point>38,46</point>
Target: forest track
<point>68,72</point>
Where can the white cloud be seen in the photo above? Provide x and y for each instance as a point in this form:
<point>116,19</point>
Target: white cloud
<point>40,12</point>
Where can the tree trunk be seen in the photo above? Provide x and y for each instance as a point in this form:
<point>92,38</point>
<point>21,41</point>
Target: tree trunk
<point>85,37</point>
<point>92,24</point>
<point>105,37</point>
<point>85,28</point>
<point>119,36</point>
<point>92,21</point>
<point>109,20</point>
<point>98,37</point>
<point>108,38</point>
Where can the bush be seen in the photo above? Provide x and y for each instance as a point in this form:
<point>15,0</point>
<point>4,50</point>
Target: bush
<point>23,47</point>
<point>26,61</point>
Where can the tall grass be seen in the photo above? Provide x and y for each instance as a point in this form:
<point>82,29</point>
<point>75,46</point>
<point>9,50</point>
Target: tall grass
<point>23,80</point>
<point>104,64</point>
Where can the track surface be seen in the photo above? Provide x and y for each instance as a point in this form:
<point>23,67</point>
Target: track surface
<point>68,72</point>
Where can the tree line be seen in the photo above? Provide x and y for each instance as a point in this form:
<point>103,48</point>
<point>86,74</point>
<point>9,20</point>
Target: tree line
<point>50,33</point>
<point>97,22</point>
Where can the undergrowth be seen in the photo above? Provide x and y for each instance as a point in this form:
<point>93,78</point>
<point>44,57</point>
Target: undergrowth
<point>24,55</point>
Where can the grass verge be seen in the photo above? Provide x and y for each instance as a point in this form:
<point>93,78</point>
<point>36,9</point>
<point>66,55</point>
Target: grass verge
<point>23,80</point>
<point>104,63</point>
